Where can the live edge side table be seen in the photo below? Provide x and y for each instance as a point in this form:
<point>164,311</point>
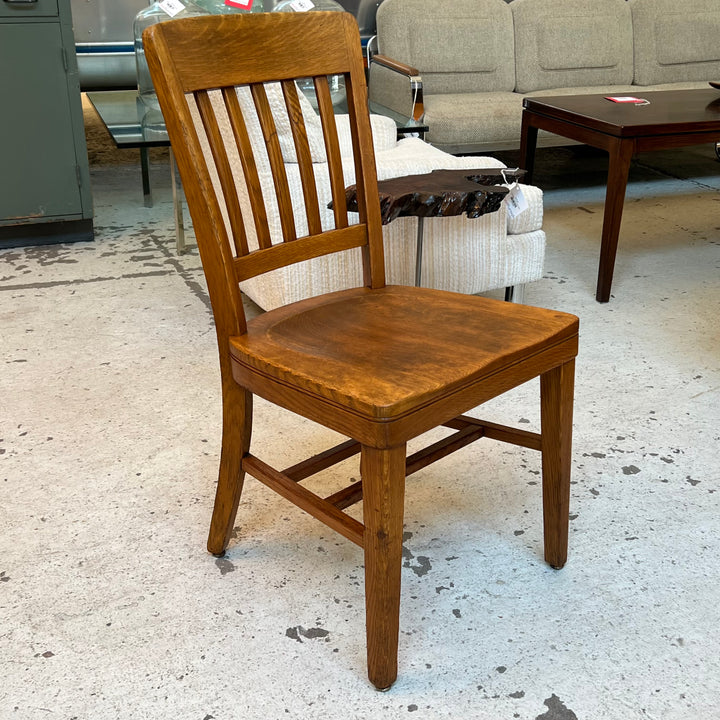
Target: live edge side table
<point>440,193</point>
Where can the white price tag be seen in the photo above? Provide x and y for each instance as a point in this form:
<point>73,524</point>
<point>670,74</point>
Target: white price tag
<point>515,200</point>
<point>172,7</point>
<point>302,5</point>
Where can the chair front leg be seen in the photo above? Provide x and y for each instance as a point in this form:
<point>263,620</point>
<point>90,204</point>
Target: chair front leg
<point>556,404</point>
<point>383,479</point>
<point>237,429</point>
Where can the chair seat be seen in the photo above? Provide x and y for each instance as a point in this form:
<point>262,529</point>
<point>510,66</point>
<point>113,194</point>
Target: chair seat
<point>384,353</point>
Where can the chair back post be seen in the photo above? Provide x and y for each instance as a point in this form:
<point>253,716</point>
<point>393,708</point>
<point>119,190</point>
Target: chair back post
<point>210,231</point>
<point>364,156</point>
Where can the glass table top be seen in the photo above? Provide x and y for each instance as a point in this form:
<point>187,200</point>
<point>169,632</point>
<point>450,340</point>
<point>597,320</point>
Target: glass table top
<point>128,120</point>
<point>132,125</point>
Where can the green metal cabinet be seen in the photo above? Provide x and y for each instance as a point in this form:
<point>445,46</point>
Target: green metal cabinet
<point>44,177</point>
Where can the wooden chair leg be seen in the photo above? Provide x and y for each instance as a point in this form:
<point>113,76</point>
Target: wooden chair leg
<point>237,428</point>
<point>383,482</point>
<point>556,403</point>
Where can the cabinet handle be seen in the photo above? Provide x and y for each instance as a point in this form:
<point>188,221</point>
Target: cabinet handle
<point>20,2</point>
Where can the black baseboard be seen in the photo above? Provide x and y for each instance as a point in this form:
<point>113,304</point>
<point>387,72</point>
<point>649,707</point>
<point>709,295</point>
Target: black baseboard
<point>12,236</point>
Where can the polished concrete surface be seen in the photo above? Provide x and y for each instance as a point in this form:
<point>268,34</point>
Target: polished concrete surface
<point>109,435</point>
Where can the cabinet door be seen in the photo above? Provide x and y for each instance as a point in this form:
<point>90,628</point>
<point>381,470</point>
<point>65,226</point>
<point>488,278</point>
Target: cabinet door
<point>38,175</point>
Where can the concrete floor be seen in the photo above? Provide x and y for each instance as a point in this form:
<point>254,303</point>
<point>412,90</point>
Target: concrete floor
<point>109,433</point>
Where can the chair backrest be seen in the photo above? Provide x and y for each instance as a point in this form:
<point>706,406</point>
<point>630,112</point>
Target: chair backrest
<point>211,74</point>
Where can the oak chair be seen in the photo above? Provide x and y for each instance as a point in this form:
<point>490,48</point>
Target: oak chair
<point>379,364</point>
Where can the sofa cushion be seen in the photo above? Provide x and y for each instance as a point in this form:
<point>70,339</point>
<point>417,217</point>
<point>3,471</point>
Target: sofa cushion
<point>676,42</point>
<point>483,45</point>
<point>567,44</point>
<point>466,121</point>
<point>457,45</point>
<point>690,85</point>
<point>384,133</point>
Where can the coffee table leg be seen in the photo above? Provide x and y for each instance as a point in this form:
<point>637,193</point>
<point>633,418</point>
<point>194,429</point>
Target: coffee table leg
<point>419,252</point>
<point>528,144</point>
<point>621,153</point>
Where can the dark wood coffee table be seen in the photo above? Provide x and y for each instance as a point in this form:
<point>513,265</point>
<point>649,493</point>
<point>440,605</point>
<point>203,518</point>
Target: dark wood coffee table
<point>673,118</point>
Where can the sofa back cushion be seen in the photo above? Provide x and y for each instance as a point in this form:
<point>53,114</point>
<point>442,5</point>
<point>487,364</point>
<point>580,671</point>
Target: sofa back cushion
<point>457,45</point>
<point>572,43</point>
<point>676,42</point>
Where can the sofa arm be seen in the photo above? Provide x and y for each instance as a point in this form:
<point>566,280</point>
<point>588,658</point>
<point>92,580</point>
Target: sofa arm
<point>532,218</point>
<point>396,86</point>
<point>384,134</point>
<point>397,66</point>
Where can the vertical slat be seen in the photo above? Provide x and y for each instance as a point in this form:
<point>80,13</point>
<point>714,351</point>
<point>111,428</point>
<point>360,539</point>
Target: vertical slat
<point>332,150</point>
<point>222,164</point>
<point>352,112</point>
<point>277,164</point>
<point>302,150</point>
<point>247,158</point>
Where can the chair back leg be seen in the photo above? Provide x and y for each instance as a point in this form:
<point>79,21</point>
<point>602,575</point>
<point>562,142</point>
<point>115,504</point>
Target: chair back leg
<point>237,429</point>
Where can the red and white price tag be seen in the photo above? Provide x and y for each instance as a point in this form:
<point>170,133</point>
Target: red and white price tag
<point>172,7</point>
<point>241,4</point>
<point>626,99</point>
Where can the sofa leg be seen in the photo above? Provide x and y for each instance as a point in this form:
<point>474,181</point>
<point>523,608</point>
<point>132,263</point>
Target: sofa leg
<point>515,293</point>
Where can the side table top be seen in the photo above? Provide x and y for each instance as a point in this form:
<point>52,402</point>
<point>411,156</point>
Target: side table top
<point>441,193</point>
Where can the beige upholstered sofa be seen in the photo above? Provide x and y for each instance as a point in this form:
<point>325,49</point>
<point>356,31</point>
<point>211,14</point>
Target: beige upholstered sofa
<point>460,254</point>
<point>478,59</point>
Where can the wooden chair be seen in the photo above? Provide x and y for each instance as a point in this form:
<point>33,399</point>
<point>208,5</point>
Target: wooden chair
<point>379,364</point>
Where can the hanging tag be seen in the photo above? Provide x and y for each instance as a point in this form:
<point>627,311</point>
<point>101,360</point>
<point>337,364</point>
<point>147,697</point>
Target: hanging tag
<point>172,7</point>
<point>302,5</point>
<point>515,200</point>
<point>241,4</point>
